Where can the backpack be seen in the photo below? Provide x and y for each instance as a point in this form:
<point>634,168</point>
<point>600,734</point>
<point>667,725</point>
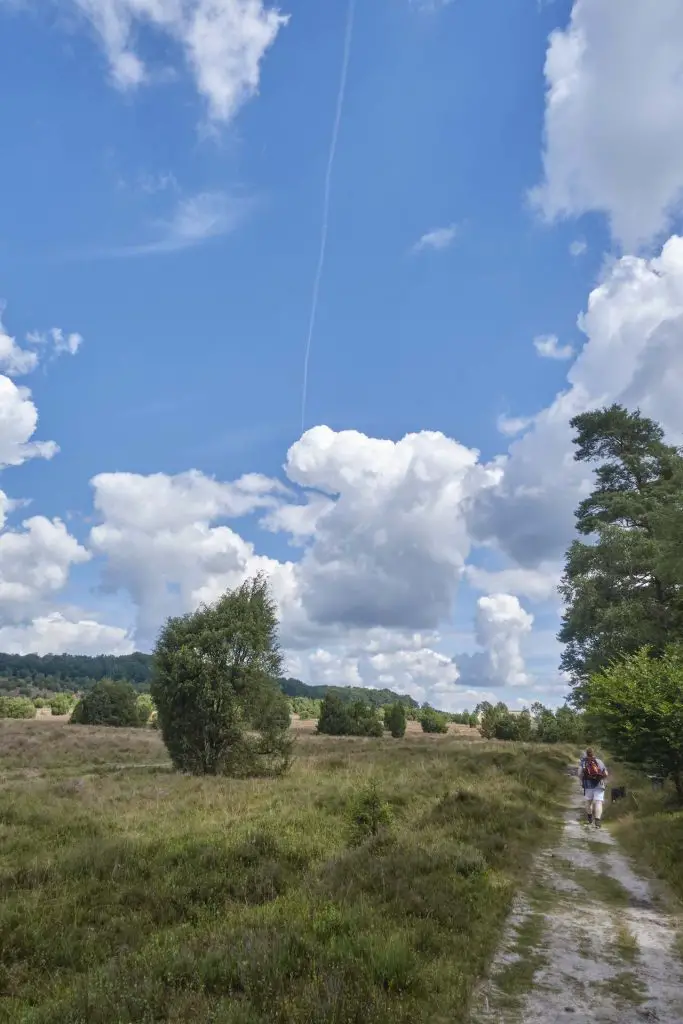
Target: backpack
<point>592,770</point>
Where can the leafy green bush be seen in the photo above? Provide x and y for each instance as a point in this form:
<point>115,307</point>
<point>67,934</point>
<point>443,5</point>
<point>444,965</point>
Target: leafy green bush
<point>395,720</point>
<point>108,703</point>
<point>17,707</point>
<point>354,719</point>
<point>61,704</point>
<point>636,706</point>
<point>305,707</point>
<point>220,708</point>
<point>40,702</point>
<point>146,709</point>
<point>433,721</point>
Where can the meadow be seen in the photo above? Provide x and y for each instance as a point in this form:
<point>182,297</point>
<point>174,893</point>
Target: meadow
<point>370,884</point>
<point>649,825</point>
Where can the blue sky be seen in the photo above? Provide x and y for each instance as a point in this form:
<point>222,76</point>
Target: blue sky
<point>163,198</point>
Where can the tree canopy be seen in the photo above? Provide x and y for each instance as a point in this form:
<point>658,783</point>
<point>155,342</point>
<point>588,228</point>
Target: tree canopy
<point>637,706</point>
<point>622,587</point>
<point>219,706</point>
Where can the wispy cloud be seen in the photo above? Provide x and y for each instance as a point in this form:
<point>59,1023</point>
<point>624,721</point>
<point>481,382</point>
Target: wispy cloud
<point>437,238</point>
<point>548,347</point>
<point>194,220</point>
<point>511,425</point>
<point>430,5</point>
<point>223,42</point>
<point>16,361</point>
<point>578,247</point>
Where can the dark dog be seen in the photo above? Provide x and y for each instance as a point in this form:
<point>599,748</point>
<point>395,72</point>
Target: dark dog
<point>618,793</point>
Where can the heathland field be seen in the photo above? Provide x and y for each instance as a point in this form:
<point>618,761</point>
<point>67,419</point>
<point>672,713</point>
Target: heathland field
<point>368,885</point>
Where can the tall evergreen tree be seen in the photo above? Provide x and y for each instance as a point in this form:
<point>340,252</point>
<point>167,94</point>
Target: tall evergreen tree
<point>621,587</point>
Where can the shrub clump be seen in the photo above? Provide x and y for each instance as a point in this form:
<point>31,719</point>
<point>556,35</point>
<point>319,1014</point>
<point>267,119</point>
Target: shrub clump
<point>219,706</point>
<point>61,704</point>
<point>348,719</point>
<point>17,707</point>
<point>433,721</point>
<point>110,702</point>
<point>395,720</point>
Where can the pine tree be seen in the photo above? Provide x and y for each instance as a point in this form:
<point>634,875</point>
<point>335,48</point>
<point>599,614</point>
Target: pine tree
<point>621,590</point>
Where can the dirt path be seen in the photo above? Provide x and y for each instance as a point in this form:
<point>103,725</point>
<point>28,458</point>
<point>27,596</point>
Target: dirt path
<point>590,942</point>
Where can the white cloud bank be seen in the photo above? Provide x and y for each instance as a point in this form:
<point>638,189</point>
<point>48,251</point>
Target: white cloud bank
<point>389,528</point>
<point>614,117</point>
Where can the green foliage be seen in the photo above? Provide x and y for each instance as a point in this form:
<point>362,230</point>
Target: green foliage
<point>622,589</point>
<point>347,694</point>
<point>61,704</point>
<point>110,703</point>
<point>462,718</point>
<point>636,707</point>
<point>354,719</point>
<point>145,707</point>
<point>305,707</point>
<point>395,719</point>
<point>219,707</point>
<point>433,721</point>
<point>490,717</point>
<point>369,815</point>
<point>17,707</point>
<point>41,702</point>
<point>540,724</point>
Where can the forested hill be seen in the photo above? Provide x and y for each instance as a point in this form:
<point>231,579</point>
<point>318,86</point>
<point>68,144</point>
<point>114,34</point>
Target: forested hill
<point>295,688</point>
<point>74,672</point>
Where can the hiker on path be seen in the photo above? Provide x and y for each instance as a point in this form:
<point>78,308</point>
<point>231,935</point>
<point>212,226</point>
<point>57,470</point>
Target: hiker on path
<point>592,773</point>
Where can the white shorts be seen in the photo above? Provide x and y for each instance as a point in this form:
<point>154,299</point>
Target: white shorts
<point>595,794</point>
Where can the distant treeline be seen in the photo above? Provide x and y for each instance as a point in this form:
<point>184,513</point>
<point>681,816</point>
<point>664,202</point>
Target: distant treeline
<point>376,698</point>
<point>26,674</point>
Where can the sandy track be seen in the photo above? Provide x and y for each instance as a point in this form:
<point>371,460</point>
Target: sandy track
<point>591,942</point>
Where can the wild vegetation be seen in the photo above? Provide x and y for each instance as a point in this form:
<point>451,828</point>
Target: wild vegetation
<point>355,719</point>
<point>369,884</point>
<point>182,873</point>
<point>538,724</point>
<point>214,686</point>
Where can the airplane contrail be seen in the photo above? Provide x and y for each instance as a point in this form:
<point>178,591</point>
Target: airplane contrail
<point>326,204</point>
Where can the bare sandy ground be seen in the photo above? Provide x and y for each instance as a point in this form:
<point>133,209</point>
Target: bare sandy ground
<point>591,942</point>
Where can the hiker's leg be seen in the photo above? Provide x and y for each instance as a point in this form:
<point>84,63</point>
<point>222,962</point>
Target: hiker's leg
<point>598,804</point>
<point>589,807</point>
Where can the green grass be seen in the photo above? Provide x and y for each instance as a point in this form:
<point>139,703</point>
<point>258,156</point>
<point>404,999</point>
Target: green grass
<point>626,989</point>
<point>599,886</point>
<point>147,896</point>
<point>649,825</point>
<point>626,944</point>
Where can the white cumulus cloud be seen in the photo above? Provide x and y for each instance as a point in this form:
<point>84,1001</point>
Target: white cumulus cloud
<point>633,355</point>
<point>614,117</point>
<point>53,633</point>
